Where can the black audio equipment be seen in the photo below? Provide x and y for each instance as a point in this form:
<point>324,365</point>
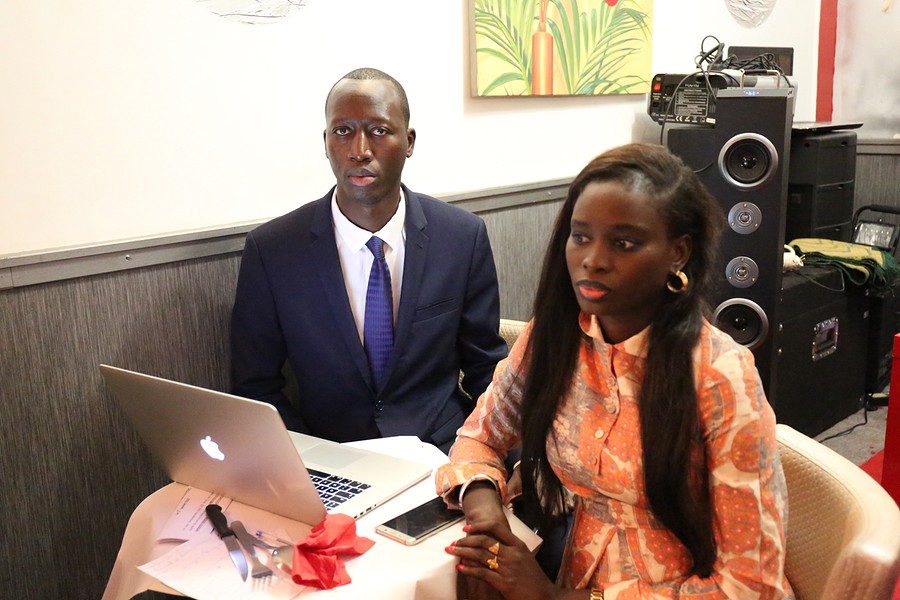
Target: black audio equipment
<point>822,363</point>
<point>884,297</point>
<point>821,185</point>
<point>685,98</point>
<point>884,317</point>
<point>743,161</point>
<point>691,98</point>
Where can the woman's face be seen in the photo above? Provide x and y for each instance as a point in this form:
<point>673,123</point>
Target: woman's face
<point>619,254</point>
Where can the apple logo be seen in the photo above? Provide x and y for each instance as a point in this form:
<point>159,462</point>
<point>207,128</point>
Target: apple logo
<point>211,448</point>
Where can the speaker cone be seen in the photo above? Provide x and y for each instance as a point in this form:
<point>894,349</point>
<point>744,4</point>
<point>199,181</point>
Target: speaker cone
<point>748,160</point>
<point>744,320</point>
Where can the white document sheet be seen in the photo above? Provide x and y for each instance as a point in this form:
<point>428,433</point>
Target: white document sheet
<point>200,568</point>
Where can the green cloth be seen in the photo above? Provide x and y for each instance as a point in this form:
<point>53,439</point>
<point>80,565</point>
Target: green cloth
<point>861,264</point>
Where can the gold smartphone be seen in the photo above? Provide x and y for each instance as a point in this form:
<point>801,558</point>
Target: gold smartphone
<point>421,522</point>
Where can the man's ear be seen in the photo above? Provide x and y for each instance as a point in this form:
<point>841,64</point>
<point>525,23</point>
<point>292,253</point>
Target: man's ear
<point>325,141</point>
<point>410,141</point>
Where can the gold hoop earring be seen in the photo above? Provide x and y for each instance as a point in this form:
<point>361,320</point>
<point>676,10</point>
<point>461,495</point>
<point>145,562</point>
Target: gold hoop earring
<point>678,282</point>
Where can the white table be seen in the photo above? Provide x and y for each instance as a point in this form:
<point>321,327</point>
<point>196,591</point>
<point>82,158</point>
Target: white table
<point>389,570</point>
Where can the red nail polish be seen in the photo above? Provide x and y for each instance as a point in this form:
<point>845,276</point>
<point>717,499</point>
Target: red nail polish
<point>466,528</point>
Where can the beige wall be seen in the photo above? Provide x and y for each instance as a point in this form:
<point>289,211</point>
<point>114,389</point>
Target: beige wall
<point>135,118</point>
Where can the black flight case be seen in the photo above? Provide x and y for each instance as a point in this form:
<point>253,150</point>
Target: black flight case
<point>821,357</point>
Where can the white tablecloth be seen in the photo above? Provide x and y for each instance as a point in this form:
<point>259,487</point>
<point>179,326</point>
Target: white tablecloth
<point>389,570</point>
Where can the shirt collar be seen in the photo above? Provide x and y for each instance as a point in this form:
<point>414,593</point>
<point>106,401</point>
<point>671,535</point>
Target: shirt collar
<point>636,345</point>
<point>356,237</point>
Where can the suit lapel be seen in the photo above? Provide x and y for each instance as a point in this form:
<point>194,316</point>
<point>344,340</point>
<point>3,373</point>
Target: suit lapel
<point>323,251</point>
<point>413,269</point>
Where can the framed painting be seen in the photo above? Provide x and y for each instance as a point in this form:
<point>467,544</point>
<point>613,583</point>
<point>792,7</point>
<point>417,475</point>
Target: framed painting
<point>560,47</point>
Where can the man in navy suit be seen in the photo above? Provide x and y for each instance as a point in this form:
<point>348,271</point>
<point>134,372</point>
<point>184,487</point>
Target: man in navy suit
<point>304,279</point>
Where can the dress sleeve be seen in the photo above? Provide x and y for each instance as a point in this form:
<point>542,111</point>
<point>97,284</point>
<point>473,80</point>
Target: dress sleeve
<point>490,430</point>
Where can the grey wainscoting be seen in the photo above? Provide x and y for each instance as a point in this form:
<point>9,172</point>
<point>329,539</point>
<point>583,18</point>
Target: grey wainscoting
<point>72,468</point>
<point>519,238</point>
<point>877,178</point>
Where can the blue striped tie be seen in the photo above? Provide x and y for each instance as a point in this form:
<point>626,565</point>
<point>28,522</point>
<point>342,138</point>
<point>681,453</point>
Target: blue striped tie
<point>378,328</point>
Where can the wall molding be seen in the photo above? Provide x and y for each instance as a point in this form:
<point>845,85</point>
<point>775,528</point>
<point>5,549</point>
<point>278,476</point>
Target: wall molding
<point>67,263</point>
<point>886,147</point>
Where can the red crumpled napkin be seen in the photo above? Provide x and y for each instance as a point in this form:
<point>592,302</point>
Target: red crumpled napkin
<point>317,561</point>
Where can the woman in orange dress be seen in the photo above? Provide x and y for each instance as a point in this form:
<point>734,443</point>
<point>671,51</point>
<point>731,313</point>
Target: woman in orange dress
<point>630,407</point>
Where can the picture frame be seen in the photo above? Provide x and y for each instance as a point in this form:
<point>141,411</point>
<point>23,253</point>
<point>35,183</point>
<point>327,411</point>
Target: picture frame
<point>560,47</point>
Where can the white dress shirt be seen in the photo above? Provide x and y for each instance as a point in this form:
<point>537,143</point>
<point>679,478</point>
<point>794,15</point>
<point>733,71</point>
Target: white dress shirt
<point>357,259</point>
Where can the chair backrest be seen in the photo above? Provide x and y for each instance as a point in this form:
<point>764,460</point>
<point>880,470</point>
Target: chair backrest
<point>843,529</point>
<point>510,330</point>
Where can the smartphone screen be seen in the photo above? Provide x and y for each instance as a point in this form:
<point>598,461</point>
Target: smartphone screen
<point>420,522</point>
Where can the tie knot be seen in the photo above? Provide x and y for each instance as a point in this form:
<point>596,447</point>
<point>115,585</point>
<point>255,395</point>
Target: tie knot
<point>376,246</point>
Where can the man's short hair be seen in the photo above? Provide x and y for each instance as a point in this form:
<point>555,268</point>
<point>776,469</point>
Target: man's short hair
<point>368,73</point>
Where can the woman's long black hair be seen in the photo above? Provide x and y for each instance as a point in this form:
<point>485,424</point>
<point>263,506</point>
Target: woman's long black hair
<point>679,493</point>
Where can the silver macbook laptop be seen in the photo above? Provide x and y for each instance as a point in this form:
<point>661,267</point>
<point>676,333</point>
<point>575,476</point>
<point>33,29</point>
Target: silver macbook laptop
<point>240,448</point>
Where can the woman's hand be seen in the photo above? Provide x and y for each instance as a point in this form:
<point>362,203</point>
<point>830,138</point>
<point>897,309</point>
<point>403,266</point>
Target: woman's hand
<point>504,562</point>
<point>481,504</point>
<point>482,507</point>
<point>491,554</point>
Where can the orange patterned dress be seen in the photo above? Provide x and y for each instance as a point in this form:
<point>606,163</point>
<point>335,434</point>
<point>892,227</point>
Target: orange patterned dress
<point>616,542</point>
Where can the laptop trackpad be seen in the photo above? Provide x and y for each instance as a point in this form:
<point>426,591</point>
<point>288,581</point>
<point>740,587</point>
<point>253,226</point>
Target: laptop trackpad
<point>331,458</point>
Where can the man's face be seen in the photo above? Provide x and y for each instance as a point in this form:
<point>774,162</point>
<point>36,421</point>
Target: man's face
<point>367,140</point>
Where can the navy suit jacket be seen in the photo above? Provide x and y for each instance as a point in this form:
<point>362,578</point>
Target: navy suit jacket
<point>291,303</point>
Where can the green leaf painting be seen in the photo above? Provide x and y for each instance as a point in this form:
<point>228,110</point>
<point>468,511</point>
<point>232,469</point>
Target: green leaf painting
<point>561,47</point>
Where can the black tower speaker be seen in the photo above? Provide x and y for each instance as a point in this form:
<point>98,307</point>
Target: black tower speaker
<point>743,161</point>
<point>821,185</point>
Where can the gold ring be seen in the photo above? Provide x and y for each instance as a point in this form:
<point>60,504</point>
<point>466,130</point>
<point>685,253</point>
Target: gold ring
<point>492,564</point>
<point>495,549</point>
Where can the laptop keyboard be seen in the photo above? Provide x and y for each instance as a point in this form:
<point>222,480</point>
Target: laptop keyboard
<point>335,490</point>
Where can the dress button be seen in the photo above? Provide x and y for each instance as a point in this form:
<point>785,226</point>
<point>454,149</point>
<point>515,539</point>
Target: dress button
<point>379,406</point>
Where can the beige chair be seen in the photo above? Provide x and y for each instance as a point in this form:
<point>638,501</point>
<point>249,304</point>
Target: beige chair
<point>510,330</point>
<point>843,531</point>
